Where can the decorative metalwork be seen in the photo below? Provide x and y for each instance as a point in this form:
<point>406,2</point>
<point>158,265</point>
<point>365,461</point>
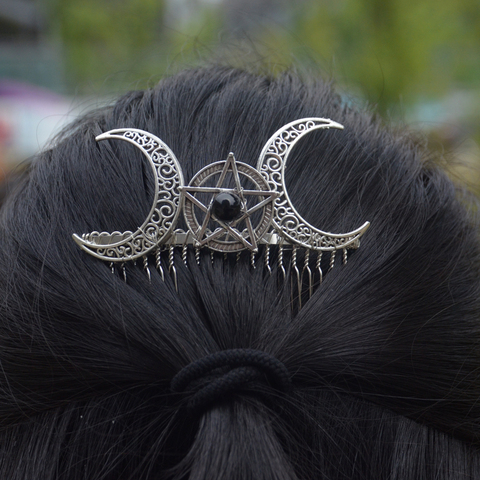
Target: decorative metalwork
<point>228,207</point>
<point>163,216</point>
<point>287,221</point>
<point>228,236</point>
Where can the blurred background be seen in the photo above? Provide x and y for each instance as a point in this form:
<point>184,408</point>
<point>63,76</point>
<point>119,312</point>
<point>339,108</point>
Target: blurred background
<point>416,61</point>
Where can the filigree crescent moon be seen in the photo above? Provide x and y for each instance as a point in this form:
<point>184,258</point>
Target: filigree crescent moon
<point>162,218</point>
<point>286,220</point>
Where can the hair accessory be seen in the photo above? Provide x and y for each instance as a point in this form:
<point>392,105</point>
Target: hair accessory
<point>228,207</point>
<point>211,378</point>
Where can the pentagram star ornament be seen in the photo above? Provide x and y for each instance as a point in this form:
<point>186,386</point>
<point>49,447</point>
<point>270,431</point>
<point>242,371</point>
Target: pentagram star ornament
<point>228,208</point>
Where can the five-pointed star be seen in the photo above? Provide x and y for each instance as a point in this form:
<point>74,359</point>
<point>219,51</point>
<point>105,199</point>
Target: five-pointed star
<point>228,228</point>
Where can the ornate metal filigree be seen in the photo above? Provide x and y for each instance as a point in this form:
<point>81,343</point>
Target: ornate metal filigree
<point>162,218</point>
<point>287,221</point>
<point>229,236</point>
<point>263,213</point>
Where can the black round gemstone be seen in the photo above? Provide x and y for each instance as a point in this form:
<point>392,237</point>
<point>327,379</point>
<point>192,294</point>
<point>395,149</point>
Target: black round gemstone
<point>226,206</point>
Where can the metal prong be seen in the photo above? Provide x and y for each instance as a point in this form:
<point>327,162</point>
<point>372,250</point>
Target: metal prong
<point>124,270</point>
<point>112,267</point>
<point>185,249</point>
<point>319,265</point>
<point>297,272</point>
<point>280,260</point>
<point>344,256</point>
<point>332,259</point>
<point>267,258</point>
<point>306,267</point>
<point>238,256</point>
<point>171,265</point>
<point>158,261</point>
<point>184,254</point>
<point>252,259</point>
<point>145,267</point>
<point>197,255</point>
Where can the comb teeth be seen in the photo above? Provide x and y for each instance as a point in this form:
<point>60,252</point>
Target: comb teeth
<point>227,207</point>
<point>171,265</point>
<point>158,263</point>
<point>305,267</point>
<point>267,259</point>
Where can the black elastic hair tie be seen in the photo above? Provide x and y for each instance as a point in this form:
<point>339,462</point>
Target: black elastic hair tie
<point>209,379</point>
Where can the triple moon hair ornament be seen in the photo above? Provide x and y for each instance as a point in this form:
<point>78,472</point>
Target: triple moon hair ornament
<point>228,207</point>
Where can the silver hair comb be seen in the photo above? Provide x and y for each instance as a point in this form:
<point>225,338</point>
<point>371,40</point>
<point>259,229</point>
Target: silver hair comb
<point>228,207</point>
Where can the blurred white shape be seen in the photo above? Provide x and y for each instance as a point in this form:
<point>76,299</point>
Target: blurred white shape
<point>32,116</point>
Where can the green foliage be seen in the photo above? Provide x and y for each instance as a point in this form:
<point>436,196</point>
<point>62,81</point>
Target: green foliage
<point>105,36</point>
<point>395,50</point>
<point>199,38</point>
<point>397,54</point>
<point>391,50</point>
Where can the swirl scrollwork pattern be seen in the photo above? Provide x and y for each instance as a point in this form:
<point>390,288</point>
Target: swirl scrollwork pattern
<point>286,220</point>
<point>229,237</point>
<point>268,211</point>
<point>162,218</point>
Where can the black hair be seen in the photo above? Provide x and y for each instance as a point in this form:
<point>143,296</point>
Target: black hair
<point>384,358</point>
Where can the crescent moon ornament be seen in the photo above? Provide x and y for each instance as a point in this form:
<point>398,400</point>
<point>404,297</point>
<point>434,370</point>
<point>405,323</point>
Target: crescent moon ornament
<point>162,218</point>
<point>228,207</point>
<point>288,223</point>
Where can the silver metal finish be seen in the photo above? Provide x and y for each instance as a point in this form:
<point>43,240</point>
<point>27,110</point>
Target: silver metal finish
<point>267,258</point>
<point>280,260</point>
<point>332,259</point>
<point>158,263</point>
<point>147,269</point>
<point>227,236</point>
<point>319,265</point>
<point>162,218</point>
<point>266,215</point>
<point>308,271</point>
<point>287,221</point>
